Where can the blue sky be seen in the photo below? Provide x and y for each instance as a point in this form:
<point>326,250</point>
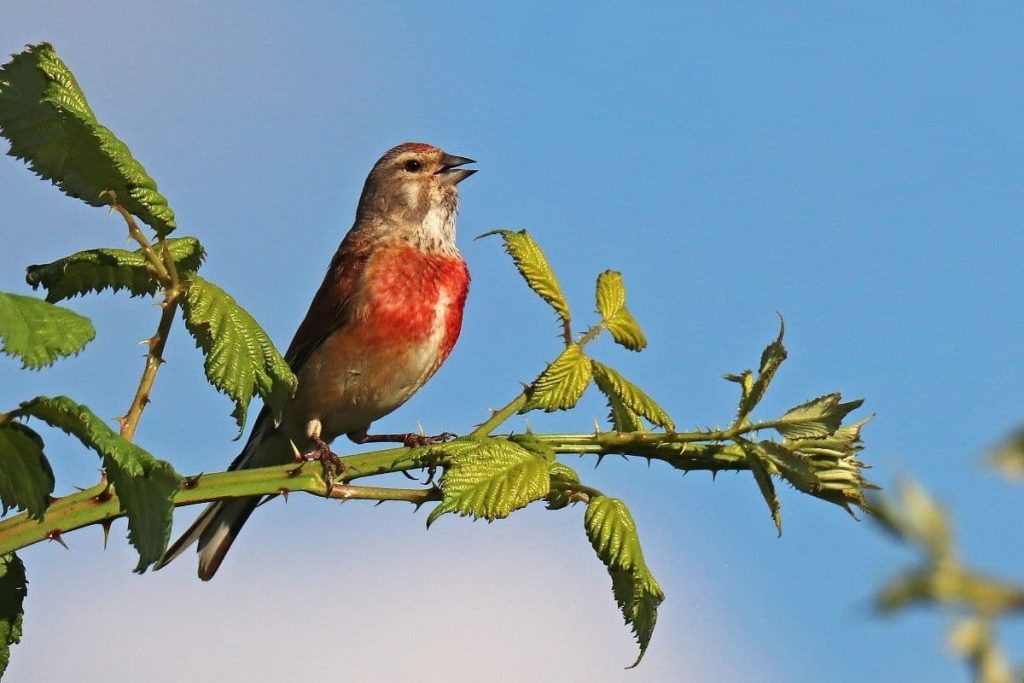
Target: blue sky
<point>855,167</point>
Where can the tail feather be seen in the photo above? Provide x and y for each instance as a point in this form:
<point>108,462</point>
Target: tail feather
<point>221,531</point>
<point>215,529</point>
<point>218,525</point>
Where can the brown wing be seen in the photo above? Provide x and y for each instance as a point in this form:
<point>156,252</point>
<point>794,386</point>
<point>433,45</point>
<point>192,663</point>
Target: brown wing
<point>331,306</point>
<point>329,310</point>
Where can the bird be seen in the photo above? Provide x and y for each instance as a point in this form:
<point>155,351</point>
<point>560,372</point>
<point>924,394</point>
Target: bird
<point>385,318</point>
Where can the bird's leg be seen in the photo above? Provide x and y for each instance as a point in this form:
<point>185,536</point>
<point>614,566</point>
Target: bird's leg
<point>322,453</point>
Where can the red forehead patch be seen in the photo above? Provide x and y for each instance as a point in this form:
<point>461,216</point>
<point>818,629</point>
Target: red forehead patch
<point>418,147</point>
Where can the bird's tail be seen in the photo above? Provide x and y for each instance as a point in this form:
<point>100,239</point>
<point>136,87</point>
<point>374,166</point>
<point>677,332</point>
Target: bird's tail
<point>216,529</point>
<point>218,525</point>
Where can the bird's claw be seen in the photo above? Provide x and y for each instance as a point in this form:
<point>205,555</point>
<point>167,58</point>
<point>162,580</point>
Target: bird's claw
<point>417,440</point>
<point>328,459</point>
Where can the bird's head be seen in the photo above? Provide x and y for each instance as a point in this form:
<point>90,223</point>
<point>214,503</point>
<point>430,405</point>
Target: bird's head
<point>414,184</point>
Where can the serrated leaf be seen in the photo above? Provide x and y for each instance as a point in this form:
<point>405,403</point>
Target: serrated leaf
<point>26,479</point>
<point>241,361</point>
<point>764,481</point>
<point>820,417</point>
<point>145,486</point>
<point>611,304</point>
<point>492,481</point>
<point>561,384</point>
<point>611,293</point>
<point>534,445</point>
<point>612,533</point>
<point>13,589</point>
<point>793,466</point>
<point>612,384</point>
<point>38,333</point>
<point>95,270</point>
<point>563,479</point>
<point>622,417</point>
<point>46,118</point>
<point>771,358</point>
<point>535,269</point>
<point>626,331</point>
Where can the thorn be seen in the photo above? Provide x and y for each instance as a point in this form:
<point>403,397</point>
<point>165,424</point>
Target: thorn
<point>284,493</point>
<point>714,475</point>
<point>79,488</point>
<point>378,503</point>
<point>649,458</point>
<point>105,525</point>
<point>600,457</point>
<point>295,451</point>
<point>409,476</point>
<point>597,427</point>
<point>189,483</point>
<point>419,426</point>
<point>529,427</point>
<point>55,535</point>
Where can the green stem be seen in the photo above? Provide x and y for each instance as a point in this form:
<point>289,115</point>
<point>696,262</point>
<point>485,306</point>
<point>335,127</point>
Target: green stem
<point>165,270</point>
<point>157,263</point>
<point>100,504</point>
<point>154,359</point>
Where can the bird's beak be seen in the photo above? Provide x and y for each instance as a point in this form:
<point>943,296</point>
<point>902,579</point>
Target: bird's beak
<point>451,173</point>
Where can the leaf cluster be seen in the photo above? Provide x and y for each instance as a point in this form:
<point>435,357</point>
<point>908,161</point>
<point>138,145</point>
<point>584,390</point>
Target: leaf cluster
<point>977,600</point>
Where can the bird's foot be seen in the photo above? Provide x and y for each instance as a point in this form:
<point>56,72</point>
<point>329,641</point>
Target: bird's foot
<point>328,459</point>
<point>409,440</point>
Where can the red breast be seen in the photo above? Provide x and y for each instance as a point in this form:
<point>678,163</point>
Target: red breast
<point>406,290</point>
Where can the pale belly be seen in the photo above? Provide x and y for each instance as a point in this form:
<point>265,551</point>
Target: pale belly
<point>359,375</point>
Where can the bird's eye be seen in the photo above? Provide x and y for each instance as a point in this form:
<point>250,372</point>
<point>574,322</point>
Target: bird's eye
<point>412,166</point>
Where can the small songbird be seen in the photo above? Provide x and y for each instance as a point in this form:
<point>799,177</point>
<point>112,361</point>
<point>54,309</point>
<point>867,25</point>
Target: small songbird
<point>384,320</point>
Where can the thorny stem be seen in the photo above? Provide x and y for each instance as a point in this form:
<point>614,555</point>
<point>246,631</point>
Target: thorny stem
<point>100,505</point>
<point>165,270</point>
<point>689,451</point>
<point>158,265</point>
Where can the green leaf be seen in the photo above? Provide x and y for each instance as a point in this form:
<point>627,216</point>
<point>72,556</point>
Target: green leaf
<point>625,330</point>
<point>535,269</point>
<point>612,532</point>
<point>611,304</point>
<point>563,481</point>
<point>623,418</point>
<point>755,458</point>
<point>492,481</point>
<point>26,479</point>
<point>144,485</point>
<point>241,361</point>
<point>561,384</point>
<point>38,333</point>
<point>771,359</point>
<point>13,589</point>
<point>631,397</point>
<point>611,293</point>
<point>95,270</point>
<point>45,116</point>
<point>819,417</point>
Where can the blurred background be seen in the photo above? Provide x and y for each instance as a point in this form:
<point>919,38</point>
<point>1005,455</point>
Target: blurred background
<point>855,168</point>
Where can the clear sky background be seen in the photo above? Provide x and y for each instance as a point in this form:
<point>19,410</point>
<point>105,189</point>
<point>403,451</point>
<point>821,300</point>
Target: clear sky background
<point>857,168</point>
